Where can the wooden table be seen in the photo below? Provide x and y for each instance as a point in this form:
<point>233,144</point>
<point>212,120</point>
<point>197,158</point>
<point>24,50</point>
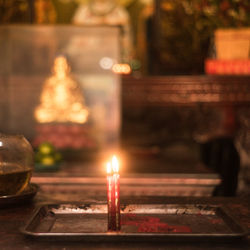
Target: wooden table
<point>12,218</point>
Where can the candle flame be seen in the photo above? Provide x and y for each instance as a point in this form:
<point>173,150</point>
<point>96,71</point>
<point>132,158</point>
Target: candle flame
<point>109,168</point>
<point>113,167</point>
<point>115,164</point>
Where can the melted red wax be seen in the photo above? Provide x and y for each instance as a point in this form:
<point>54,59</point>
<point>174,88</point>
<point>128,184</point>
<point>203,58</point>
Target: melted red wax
<point>151,224</point>
<point>216,221</point>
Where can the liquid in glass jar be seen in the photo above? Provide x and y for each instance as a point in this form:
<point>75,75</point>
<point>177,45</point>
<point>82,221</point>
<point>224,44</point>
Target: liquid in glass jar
<point>16,164</point>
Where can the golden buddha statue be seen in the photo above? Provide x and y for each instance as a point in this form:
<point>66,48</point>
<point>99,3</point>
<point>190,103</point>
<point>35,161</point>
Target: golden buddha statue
<point>61,98</point>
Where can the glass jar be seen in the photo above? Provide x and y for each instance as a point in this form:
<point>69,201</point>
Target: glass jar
<point>16,164</point>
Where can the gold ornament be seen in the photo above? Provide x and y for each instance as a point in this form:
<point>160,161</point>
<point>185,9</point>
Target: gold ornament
<point>61,98</point>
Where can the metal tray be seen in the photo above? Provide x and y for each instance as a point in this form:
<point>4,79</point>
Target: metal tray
<point>139,222</point>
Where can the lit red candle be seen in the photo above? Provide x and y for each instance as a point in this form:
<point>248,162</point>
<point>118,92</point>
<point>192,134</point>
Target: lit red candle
<point>113,195</point>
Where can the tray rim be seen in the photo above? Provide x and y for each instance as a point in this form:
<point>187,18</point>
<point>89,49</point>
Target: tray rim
<point>119,235</point>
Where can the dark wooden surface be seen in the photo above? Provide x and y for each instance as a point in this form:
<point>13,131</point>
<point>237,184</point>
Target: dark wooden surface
<point>12,218</point>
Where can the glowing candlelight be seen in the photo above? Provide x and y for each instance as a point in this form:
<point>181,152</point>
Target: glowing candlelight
<point>113,195</point>
<point>109,169</point>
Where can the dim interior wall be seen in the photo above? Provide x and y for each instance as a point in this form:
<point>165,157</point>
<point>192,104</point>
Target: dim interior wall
<point>24,95</point>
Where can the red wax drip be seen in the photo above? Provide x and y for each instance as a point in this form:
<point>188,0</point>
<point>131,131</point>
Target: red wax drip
<point>216,221</point>
<point>151,224</point>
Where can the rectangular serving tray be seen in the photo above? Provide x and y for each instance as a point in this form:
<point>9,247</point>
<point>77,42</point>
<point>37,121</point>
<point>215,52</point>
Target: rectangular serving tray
<point>139,222</point>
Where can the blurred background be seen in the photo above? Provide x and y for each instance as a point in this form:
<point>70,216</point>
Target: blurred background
<point>165,84</point>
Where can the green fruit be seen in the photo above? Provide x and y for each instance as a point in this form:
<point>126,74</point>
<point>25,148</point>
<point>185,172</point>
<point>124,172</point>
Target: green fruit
<point>48,161</point>
<point>46,148</point>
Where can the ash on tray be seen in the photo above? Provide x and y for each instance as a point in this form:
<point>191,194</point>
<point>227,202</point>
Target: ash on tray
<point>152,224</point>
